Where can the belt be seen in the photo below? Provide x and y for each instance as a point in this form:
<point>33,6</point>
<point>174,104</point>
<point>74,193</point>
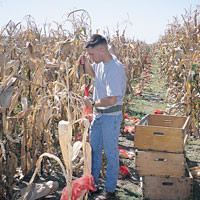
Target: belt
<point>110,110</point>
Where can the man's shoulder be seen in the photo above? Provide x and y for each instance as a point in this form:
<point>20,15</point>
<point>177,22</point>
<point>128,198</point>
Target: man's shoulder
<point>116,69</point>
<point>119,65</point>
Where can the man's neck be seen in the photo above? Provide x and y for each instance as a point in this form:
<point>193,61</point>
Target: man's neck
<point>107,58</point>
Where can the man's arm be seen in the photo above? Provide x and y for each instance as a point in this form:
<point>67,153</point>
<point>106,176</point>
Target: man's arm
<point>88,67</point>
<point>107,101</point>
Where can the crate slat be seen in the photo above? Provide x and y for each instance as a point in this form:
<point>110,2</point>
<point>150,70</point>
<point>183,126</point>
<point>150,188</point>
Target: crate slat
<point>160,164</point>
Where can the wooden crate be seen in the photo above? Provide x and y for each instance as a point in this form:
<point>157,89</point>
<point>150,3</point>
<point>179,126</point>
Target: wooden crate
<point>162,133</point>
<point>160,164</point>
<point>156,187</point>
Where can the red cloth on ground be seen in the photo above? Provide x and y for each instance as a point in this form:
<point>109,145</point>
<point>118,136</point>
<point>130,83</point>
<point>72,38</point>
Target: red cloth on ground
<point>85,183</point>
<point>124,172</point>
<point>158,111</point>
<point>125,154</point>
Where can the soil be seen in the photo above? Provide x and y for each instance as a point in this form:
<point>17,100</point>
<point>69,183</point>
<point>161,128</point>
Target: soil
<point>127,188</point>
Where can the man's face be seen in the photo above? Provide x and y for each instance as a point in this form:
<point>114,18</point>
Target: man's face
<point>95,53</point>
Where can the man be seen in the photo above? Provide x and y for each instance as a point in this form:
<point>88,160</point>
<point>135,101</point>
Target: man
<point>109,90</point>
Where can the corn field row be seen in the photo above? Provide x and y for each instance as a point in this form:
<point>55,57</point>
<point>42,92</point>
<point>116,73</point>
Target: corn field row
<point>41,84</point>
<point>178,52</point>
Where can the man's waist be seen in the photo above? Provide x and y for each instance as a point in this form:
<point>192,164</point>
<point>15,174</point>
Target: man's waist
<point>111,109</point>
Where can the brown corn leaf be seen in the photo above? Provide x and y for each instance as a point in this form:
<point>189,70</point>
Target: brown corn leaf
<point>12,164</point>
<point>38,165</point>
<point>195,57</point>
<point>87,159</point>
<point>13,64</point>
<point>2,61</point>
<point>6,93</point>
<point>65,138</point>
<point>47,114</point>
<point>15,99</point>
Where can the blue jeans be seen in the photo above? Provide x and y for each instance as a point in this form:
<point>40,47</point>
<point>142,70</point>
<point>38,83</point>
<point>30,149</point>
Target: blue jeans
<point>105,132</point>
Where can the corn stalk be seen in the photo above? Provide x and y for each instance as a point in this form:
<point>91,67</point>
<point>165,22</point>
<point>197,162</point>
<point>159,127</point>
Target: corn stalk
<point>42,84</point>
<point>179,57</point>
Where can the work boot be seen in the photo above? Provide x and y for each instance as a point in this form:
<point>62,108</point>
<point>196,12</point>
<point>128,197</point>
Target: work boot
<point>106,195</point>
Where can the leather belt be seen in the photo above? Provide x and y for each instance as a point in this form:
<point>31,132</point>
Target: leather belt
<point>110,110</point>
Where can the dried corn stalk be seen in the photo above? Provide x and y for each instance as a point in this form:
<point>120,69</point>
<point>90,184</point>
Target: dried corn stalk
<point>179,57</point>
<point>86,149</point>
<point>65,139</point>
<point>39,74</point>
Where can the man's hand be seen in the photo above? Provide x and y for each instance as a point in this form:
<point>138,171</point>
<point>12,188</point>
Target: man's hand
<point>81,60</point>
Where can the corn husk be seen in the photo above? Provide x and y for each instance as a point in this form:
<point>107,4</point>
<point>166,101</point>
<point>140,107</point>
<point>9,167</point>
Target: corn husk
<point>38,165</point>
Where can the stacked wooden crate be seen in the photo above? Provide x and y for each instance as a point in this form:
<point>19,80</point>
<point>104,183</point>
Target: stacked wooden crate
<point>160,157</point>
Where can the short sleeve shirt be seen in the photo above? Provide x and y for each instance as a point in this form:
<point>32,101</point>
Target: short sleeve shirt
<point>110,80</point>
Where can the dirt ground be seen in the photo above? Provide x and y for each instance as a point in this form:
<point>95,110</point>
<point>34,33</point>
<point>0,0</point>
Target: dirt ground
<point>128,188</point>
